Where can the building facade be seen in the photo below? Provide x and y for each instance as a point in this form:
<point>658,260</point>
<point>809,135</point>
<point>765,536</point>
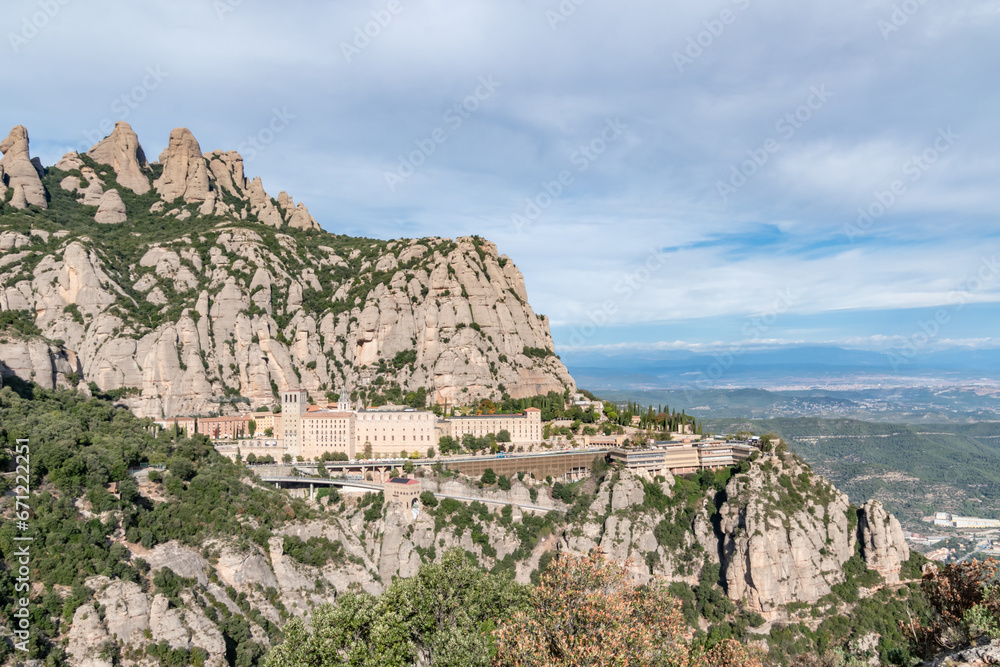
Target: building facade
<point>309,431</point>
<point>402,490</point>
<point>266,420</point>
<point>326,431</point>
<point>681,458</point>
<point>393,429</point>
<point>717,454</point>
<point>187,424</point>
<point>294,404</point>
<point>524,429</point>
<point>224,428</point>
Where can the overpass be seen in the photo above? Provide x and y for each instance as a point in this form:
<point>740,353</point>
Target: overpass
<point>568,465</point>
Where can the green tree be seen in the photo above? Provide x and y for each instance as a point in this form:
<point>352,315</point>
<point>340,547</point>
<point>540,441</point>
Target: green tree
<point>489,477</point>
<point>444,616</point>
<point>503,436</point>
<point>251,427</point>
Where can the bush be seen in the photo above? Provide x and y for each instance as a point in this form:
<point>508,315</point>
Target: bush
<point>315,551</point>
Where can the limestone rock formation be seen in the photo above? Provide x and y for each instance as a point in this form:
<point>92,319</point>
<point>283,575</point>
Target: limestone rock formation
<point>35,360</point>
<point>629,491</point>
<point>757,524</point>
<point>264,330</point>
<point>111,210</point>
<point>300,218</point>
<point>18,172</point>
<point>777,551</point>
<point>122,151</point>
<point>133,618</point>
<point>69,161</point>
<point>185,173</point>
<point>882,543</point>
<point>258,307</point>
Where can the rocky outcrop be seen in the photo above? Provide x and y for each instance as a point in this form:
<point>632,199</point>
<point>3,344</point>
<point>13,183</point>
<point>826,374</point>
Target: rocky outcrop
<point>882,544</point>
<point>122,151</point>
<point>185,173</point>
<point>300,218</point>
<point>628,491</point>
<point>35,360</point>
<point>229,336</point>
<point>370,553</point>
<point>111,210</point>
<point>131,618</point>
<point>782,542</point>
<point>87,638</point>
<point>256,310</point>
<point>986,653</point>
<point>69,161</point>
<point>17,171</point>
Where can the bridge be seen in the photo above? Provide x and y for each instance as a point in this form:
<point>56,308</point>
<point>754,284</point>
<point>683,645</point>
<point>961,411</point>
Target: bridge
<point>568,465</point>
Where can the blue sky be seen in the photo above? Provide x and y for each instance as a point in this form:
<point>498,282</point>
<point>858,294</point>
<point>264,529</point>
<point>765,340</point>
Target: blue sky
<point>666,174</point>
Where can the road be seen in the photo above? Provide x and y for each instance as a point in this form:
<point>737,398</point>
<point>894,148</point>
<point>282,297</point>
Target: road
<point>334,481</point>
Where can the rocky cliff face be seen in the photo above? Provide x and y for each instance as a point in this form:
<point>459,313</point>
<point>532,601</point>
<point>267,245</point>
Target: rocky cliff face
<point>199,288</point>
<point>784,541</point>
<point>882,542</point>
<point>769,554</point>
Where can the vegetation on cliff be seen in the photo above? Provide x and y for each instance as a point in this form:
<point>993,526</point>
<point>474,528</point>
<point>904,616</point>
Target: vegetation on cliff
<point>88,530</point>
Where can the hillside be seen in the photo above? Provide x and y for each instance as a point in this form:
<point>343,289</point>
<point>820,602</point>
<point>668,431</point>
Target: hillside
<point>182,287</point>
<point>201,565</point>
<point>915,470</point>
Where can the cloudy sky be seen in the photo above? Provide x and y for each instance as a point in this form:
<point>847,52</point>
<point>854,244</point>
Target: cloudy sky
<point>667,175</point>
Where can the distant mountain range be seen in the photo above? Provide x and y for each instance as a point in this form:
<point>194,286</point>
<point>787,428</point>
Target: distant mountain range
<point>787,367</point>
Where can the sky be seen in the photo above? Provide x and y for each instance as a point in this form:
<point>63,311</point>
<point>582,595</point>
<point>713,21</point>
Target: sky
<point>667,175</point>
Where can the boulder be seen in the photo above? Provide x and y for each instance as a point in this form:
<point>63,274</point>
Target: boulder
<point>122,151</point>
<point>69,161</point>
<point>111,210</point>
<point>17,170</point>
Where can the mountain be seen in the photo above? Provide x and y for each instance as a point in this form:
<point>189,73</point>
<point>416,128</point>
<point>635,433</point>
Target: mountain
<point>182,287</point>
<point>202,559</point>
<point>801,366</point>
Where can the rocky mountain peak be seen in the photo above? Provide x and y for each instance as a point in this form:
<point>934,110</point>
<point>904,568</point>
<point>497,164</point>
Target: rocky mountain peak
<point>18,171</point>
<point>882,542</point>
<point>260,306</point>
<point>121,150</point>
<point>185,173</point>
<point>227,168</point>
